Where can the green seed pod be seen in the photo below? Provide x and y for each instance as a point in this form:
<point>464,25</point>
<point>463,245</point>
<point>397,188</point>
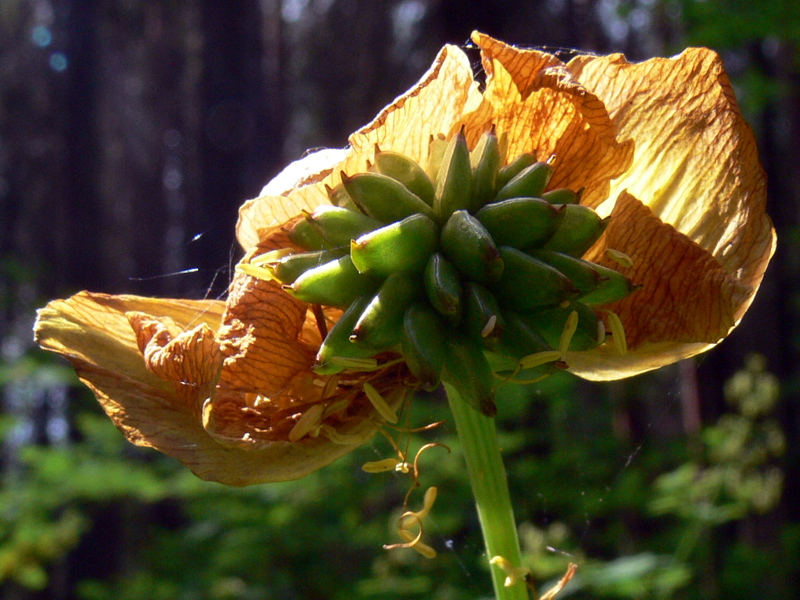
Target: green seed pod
<point>454,180</point>
<point>336,283</point>
<point>562,196</point>
<point>528,284</point>
<point>550,325</point>
<point>443,287</point>
<point>614,287</point>
<point>530,182</point>
<point>406,171</point>
<point>436,149</point>
<point>482,318</point>
<point>520,339</point>
<point>339,197</point>
<point>485,161</point>
<point>402,246</point>
<point>521,222</point>
<point>288,268</point>
<point>585,276</point>
<point>338,344</point>
<point>581,228</point>
<point>380,325</point>
<point>424,345</point>
<point>339,226</point>
<point>384,198</point>
<point>471,248</point>
<point>514,168</point>
<point>307,235</point>
<point>467,370</point>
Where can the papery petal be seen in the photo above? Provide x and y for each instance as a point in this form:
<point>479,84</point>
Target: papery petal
<point>535,100</point>
<point>261,337</point>
<point>93,331</point>
<point>434,105</point>
<point>696,163</point>
<point>688,301</point>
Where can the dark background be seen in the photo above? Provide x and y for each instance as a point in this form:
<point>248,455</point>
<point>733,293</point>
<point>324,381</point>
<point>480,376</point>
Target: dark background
<point>130,133</point>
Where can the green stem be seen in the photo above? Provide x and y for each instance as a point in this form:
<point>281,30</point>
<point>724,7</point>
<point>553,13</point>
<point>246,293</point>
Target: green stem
<point>488,477</point>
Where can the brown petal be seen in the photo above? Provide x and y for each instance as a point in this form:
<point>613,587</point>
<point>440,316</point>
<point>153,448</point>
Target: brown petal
<point>94,333</point>
<point>687,304</point>
<point>434,105</point>
<point>696,163</point>
<point>535,100</point>
<point>261,337</point>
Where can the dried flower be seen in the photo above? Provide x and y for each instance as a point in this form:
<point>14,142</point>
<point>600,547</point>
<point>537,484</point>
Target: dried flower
<point>660,147</point>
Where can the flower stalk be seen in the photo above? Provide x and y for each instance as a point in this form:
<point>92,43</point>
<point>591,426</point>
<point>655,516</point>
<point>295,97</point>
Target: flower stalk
<point>488,479</point>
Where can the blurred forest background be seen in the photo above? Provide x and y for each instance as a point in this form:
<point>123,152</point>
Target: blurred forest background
<point>131,131</point>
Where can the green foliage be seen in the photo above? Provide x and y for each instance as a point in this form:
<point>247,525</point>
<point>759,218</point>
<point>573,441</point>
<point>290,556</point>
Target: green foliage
<point>641,522</point>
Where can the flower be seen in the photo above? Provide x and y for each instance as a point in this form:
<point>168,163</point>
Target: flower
<point>660,146</point>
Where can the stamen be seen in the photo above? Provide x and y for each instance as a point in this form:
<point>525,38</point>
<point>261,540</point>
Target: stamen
<point>617,332</point>
<point>551,593</point>
<point>540,358</point>
<point>380,405</point>
<point>570,327</point>
<point>489,327</point>
<point>381,466</point>
<point>254,271</point>
<point>340,438</point>
<point>513,574</point>
<point>270,257</point>
<point>308,424</point>
<point>620,257</point>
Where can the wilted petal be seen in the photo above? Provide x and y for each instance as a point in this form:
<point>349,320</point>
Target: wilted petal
<point>687,302</point>
<point>696,164</point>
<point>436,104</point>
<point>261,337</point>
<point>537,102</point>
<point>94,332</point>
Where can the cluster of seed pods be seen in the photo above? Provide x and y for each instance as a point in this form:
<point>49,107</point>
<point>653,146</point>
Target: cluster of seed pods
<point>464,267</point>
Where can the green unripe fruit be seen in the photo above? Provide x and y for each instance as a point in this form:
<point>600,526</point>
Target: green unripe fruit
<point>471,248</point>
<point>530,182</point>
<point>514,168</point>
<point>483,320</point>
<point>549,323</point>
<point>288,268</point>
<point>406,171</point>
<point>380,325</point>
<point>582,274</point>
<point>384,198</point>
<point>454,179</point>
<point>337,343</point>
<point>424,345</point>
<point>336,283</point>
<point>521,222</point>
<point>443,287</point>
<point>401,246</point>
<point>579,230</point>
<point>528,284</point>
<point>339,226</point>
<point>485,161</point>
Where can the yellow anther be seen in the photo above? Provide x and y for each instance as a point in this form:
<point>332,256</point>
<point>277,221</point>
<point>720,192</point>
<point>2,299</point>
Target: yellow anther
<point>381,466</point>
<point>539,358</point>
<point>489,327</point>
<point>308,423</point>
<point>270,257</point>
<point>380,405</point>
<point>402,467</point>
<point>513,574</point>
<point>570,327</point>
<point>254,271</point>
<point>617,332</point>
<point>620,257</point>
